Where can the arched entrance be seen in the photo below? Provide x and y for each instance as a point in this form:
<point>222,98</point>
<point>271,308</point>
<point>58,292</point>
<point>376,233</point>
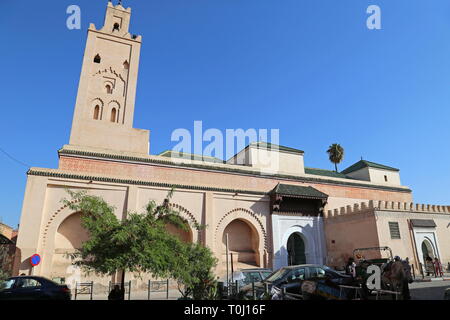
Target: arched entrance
<point>243,243</point>
<point>183,235</point>
<point>296,249</point>
<point>427,249</point>
<point>70,235</point>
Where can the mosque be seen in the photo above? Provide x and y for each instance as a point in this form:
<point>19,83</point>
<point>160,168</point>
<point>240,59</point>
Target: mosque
<point>293,215</point>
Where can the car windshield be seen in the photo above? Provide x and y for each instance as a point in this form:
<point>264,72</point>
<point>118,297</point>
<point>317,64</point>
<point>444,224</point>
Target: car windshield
<point>252,277</point>
<point>329,270</point>
<point>265,274</point>
<point>280,273</point>
<point>7,284</point>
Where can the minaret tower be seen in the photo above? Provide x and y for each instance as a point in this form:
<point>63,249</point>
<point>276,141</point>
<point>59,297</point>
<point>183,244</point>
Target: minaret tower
<point>104,110</point>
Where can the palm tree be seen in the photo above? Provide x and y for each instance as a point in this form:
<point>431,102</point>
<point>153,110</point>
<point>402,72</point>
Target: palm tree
<point>335,154</point>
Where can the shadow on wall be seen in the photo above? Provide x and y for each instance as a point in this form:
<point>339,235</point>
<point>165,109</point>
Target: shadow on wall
<point>25,265</point>
<point>17,263</point>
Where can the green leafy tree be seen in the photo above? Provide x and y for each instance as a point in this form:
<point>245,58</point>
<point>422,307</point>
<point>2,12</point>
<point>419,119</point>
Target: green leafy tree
<point>335,154</point>
<point>195,278</point>
<point>139,243</point>
<point>5,262</point>
<point>6,256</point>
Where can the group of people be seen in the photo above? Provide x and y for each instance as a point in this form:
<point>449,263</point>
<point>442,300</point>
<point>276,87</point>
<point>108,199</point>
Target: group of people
<point>433,267</point>
<point>396,272</point>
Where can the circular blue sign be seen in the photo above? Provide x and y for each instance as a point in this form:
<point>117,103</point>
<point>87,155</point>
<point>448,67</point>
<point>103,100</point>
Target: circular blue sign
<point>35,259</point>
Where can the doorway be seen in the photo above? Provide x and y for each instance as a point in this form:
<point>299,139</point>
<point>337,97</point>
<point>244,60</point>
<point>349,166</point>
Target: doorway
<point>296,250</point>
<point>427,249</point>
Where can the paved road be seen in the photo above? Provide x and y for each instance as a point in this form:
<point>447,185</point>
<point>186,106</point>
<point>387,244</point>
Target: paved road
<point>433,290</point>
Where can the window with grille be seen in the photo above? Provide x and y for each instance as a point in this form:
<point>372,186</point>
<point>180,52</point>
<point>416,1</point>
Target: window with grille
<point>394,230</point>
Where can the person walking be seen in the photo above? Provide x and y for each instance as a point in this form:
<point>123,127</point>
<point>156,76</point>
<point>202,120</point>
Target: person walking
<point>116,293</point>
<point>438,268</point>
<point>429,265</point>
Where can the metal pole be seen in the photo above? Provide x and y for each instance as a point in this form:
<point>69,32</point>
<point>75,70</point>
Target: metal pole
<point>92,288</point>
<point>149,283</point>
<point>232,268</point>
<point>167,294</point>
<point>226,248</point>
<point>253,290</point>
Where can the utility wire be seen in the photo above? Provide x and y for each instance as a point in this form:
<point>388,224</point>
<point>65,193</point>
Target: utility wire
<point>14,159</point>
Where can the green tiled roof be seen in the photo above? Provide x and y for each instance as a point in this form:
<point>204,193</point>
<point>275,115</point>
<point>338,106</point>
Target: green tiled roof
<point>326,173</point>
<point>364,164</point>
<point>299,191</point>
<point>268,145</point>
<point>191,156</point>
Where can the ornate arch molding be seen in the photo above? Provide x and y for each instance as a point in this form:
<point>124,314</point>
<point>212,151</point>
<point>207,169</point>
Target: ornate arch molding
<point>189,216</point>
<point>53,218</point>
<point>183,211</point>
<point>99,100</point>
<point>248,215</point>
<point>112,102</point>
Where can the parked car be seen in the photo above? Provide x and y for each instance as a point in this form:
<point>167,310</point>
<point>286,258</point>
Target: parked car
<point>33,288</point>
<point>245,277</point>
<point>291,279</point>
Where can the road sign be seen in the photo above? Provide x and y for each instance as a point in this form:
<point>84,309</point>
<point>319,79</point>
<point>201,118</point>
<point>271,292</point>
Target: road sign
<point>35,260</point>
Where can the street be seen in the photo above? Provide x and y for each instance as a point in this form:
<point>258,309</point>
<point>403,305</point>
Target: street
<point>432,290</point>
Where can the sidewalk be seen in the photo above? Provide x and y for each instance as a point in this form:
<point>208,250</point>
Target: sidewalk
<point>135,295</point>
<point>419,278</point>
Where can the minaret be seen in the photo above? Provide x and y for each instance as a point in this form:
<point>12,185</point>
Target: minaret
<point>104,110</point>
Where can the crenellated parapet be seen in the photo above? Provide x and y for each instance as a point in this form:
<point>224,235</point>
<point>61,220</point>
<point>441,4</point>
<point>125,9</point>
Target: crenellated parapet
<point>363,207</point>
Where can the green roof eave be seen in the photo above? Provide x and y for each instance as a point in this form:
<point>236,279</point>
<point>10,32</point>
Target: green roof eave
<point>268,145</point>
<point>189,156</point>
<point>299,191</point>
<point>325,173</point>
<point>364,164</point>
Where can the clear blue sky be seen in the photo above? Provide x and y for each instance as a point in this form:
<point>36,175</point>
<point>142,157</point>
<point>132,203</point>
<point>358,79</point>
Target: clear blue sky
<point>308,67</point>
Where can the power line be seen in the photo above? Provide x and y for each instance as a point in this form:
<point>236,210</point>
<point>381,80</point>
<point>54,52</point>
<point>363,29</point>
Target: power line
<point>14,159</point>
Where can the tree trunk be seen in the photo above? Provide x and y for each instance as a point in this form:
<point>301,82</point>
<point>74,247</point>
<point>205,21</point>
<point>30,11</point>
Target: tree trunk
<point>335,166</point>
<point>122,284</point>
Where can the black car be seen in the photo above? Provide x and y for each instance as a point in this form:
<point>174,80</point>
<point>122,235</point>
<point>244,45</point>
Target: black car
<point>291,279</point>
<point>33,288</point>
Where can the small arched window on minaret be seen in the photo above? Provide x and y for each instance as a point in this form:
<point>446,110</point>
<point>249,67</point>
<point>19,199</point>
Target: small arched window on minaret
<point>96,112</point>
<point>108,89</point>
<point>116,27</point>
<point>97,59</point>
<point>126,65</point>
<point>113,114</point>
